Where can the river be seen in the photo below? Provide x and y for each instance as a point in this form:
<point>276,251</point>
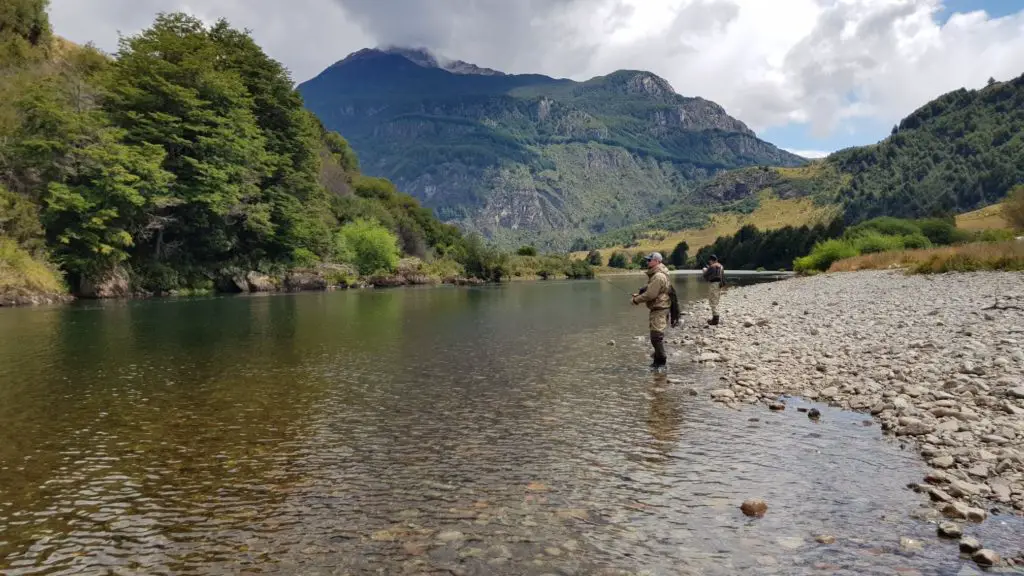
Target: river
<point>489,430</point>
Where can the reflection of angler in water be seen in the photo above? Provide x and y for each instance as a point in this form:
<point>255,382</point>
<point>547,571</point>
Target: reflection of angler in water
<point>664,418</point>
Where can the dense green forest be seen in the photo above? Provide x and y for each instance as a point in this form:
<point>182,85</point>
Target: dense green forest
<point>187,162</point>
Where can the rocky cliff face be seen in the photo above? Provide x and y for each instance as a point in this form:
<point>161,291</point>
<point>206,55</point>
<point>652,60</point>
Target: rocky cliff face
<point>527,157</point>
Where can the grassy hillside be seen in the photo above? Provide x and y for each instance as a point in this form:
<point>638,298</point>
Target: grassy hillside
<point>771,212</point>
<point>958,154</point>
<point>987,218</point>
<point>527,158</point>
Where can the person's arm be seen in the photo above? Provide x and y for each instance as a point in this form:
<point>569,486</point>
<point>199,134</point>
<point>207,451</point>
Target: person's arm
<point>654,288</point>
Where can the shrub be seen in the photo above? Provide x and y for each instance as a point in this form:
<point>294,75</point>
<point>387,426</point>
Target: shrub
<point>580,269</point>
<point>939,231</point>
<point>594,258</point>
<point>916,242</point>
<point>871,242</point>
<point>527,251</point>
<point>20,272</point>
<point>994,235</point>
<point>368,245</point>
<point>619,260</point>
<point>885,225</point>
<point>823,255</point>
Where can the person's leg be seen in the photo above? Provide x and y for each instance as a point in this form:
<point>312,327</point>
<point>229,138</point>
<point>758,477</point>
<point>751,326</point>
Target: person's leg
<point>658,324</point>
<point>714,295</point>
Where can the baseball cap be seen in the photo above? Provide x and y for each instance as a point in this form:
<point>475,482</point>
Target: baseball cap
<point>653,256</point>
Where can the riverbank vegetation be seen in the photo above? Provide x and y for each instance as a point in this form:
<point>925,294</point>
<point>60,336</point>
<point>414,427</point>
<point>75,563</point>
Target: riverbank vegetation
<point>186,163</point>
<point>923,246</point>
<point>976,256</point>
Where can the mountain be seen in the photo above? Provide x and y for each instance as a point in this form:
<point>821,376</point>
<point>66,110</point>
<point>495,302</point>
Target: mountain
<point>959,152</point>
<point>526,157</point>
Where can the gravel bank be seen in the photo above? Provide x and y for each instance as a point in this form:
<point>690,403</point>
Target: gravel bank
<point>929,356</point>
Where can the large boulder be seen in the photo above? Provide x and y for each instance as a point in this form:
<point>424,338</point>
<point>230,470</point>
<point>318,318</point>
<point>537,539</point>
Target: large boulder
<point>115,283</point>
<point>299,280</point>
<point>260,282</point>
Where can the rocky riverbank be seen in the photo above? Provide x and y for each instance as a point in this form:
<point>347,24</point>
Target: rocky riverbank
<point>937,360</point>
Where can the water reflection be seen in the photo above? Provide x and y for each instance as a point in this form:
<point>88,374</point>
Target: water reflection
<point>473,431</point>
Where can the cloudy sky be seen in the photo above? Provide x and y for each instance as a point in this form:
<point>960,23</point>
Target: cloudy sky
<point>808,75</point>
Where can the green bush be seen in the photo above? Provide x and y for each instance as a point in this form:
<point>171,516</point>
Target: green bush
<point>619,260</point>
<point>885,226</point>
<point>527,251</point>
<point>939,231</point>
<point>580,269</point>
<point>994,235</point>
<point>594,258</point>
<point>371,247</point>
<point>823,255</point>
<point>21,272</point>
<point>916,242</point>
<point>871,242</point>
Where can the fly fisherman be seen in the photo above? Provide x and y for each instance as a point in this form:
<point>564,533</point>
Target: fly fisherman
<point>714,274</point>
<point>659,302</point>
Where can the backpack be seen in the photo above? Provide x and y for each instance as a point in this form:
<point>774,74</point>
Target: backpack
<point>673,308</point>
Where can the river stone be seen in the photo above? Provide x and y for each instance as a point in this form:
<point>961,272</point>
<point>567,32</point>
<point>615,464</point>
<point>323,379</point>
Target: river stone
<point>910,545</point>
<point>943,462</point>
<point>950,530</point>
<point>450,536</point>
<point>754,508</point>
<point>986,557</point>
<point>960,489</point>
<point>722,394</point>
<point>956,510</point>
<point>830,392</point>
<point>1000,490</point>
<point>937,477</point>
<point>825,539</point>
<point>914,427</point>
<point>976,514</point>
<point>969,544</point>
<point>939,495</point>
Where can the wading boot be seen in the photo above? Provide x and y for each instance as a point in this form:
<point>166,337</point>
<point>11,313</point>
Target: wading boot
<point>659,356</point>
<point>713,321</point>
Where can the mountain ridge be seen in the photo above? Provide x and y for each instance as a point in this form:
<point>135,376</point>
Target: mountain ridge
<point>527,157</point>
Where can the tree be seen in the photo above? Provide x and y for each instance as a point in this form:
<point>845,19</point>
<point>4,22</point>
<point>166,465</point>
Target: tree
<point>679,254</point>
<point>619,260</point>
<point>170,86</point>
<point>594,258</point>
<point>368,245</point>
<point>526,251</point>
<point>1013,208</point>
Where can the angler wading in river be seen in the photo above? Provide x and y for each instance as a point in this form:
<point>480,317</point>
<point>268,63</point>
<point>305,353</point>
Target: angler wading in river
<point>663,306</point>
<point>714,274</point>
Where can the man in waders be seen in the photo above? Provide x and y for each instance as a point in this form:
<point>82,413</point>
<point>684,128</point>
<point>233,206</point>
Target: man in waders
<point>659,301</point>
<point>714,274</point>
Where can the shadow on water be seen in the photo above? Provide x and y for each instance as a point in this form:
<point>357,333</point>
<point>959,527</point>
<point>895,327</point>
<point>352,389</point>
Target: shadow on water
<point>477,431</point>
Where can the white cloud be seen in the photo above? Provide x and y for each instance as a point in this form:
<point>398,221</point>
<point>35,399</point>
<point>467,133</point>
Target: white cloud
<point>770,63</point>
<point>809,153</point>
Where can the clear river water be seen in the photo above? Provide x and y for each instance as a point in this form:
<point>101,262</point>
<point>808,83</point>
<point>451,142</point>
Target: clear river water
<point>471,431</point>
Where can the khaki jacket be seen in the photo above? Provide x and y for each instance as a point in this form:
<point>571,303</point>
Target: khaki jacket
<point>656,295</point>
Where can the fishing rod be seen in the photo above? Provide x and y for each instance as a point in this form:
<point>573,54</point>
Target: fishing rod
<point>616,286</point>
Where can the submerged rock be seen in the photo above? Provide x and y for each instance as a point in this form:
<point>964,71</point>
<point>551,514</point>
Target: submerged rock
<point>754,508</point>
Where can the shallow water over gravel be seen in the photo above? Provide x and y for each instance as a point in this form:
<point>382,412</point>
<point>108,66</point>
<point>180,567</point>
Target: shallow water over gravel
<point>465,431</point>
